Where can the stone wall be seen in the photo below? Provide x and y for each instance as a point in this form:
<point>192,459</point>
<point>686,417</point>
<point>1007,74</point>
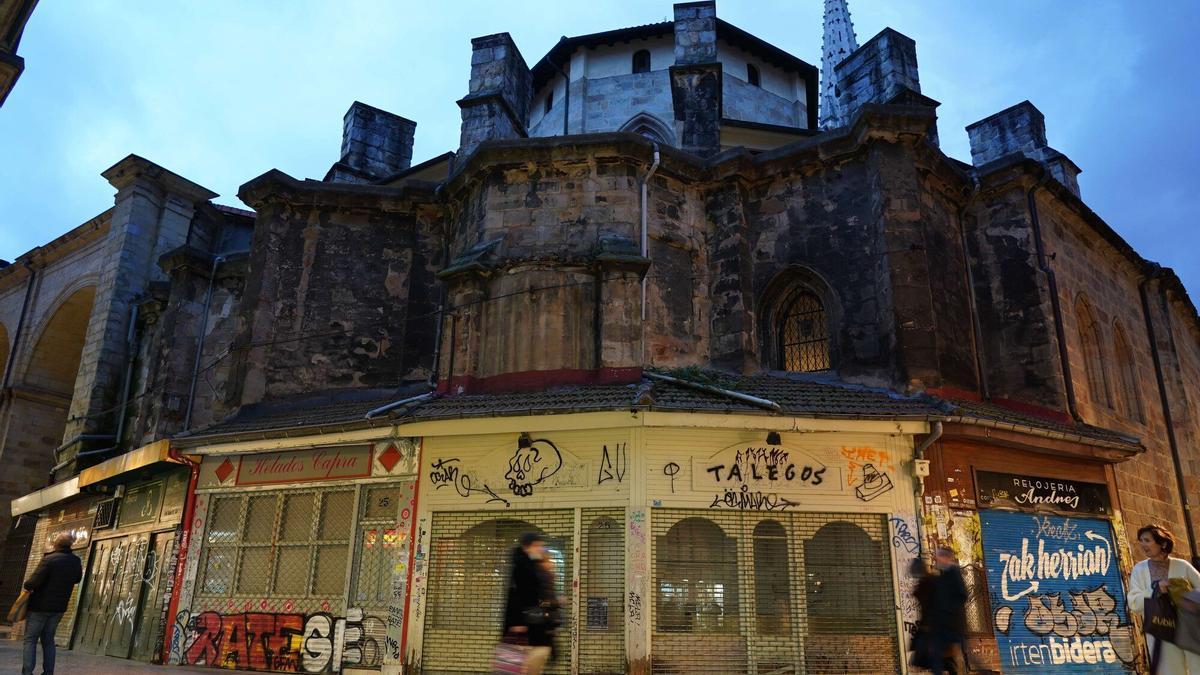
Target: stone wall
<point>748,103</point>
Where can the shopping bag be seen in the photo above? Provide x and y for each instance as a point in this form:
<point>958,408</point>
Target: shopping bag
<point>1160,617</point>
<point>1187,625</point>
<point>17,612</point>
<point>509,658</point>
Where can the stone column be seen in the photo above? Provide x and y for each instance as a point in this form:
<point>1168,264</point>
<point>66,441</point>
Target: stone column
<point>696,78</point>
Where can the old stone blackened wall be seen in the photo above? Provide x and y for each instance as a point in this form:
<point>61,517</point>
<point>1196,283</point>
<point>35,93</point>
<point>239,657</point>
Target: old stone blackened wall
<point>340,292</point>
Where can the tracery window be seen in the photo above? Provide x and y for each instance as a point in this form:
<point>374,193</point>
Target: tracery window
<point>1093,356</point>
<point>1130,396</point>
<point>641,61</point>
<point>803,334</point>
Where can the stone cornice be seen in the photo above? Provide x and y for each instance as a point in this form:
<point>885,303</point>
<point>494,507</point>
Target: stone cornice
<point>133,167</point>
<point>276,187</point>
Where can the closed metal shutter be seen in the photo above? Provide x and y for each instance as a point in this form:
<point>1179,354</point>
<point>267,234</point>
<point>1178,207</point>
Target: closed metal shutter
<point>748,592</point>
<point>602,592</point>
<point>469,556</point>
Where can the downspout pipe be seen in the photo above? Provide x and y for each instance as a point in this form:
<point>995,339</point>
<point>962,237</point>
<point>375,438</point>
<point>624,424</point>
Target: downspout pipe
<point>644,221</point>
<point>728,393</point>
<point>212,278</point>
<point>131,344</point>
<point>16,345</point>
<point>185,532</point>
<point>935,433</point>
<point>1169,421</point>
<point>1056,306</point>
<point>981,376</point>
<point>372,414</point>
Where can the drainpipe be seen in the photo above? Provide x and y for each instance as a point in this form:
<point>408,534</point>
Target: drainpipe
<point>766,404</point>
<point>12,355</point>
<point>131,344</point>
<point>969,279</point>
<point>372,414</point>
<point>212,278</point>
<point>645,228</point>
<point>185,532</point>
<point>935,433</point>
<point>1055,305</point>
<point>1168,420</point>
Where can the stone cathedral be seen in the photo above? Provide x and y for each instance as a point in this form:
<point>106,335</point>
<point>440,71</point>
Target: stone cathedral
<point>729,330</point>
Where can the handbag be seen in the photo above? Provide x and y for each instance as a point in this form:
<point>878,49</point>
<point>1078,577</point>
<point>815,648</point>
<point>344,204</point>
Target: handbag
<point>1159,617</point>
<point>509,657</point>
<point>19,607</point>
<point>1187,625</point>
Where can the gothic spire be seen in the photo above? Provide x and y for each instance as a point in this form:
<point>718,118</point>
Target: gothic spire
<point>838,43</point>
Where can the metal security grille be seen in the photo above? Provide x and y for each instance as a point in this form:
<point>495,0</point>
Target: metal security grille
<point>378,545</point>
<point>602,592</point>
<point>469,559</point>
<point>290,545</point>
<point>804,335</point>
<point>757,593</point>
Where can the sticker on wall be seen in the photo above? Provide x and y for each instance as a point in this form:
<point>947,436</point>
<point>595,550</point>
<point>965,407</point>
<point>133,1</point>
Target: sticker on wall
<point>1057,597</point>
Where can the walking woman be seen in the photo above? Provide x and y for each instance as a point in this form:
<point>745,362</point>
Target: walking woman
<point>530,615</point>
<point>1150,577</point>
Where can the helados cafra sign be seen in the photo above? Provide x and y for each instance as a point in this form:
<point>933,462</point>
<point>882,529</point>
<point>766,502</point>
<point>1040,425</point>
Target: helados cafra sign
<point>1035,493</point>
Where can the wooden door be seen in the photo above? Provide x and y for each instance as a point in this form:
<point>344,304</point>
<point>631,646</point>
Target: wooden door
<point>156,572</point>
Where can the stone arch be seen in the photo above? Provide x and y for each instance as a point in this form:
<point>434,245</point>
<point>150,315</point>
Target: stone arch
<point>54,362</point>
<point>651,127</point>
<point>1091,345</point>
<point>796,283</point>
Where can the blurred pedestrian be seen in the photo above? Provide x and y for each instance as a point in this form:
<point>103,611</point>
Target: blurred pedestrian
<point>919,646</point>
<point>947,618</point>
<point>49,591</point>
<point>531,612</point>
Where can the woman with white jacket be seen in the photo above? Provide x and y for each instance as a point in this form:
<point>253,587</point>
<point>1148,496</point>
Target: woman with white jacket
<point>1153,572</point>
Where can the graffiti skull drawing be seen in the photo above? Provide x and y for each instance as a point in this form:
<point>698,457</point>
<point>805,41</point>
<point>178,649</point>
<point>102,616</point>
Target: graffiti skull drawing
<point>532,463</point>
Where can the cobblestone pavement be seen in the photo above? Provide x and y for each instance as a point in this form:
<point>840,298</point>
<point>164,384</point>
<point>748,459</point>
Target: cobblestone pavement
<point>77,663</point>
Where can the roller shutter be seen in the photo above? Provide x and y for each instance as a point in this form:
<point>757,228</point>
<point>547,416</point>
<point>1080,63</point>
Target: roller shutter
<point>748,592</point>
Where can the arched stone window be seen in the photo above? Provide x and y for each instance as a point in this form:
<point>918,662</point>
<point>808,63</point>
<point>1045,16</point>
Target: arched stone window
<point>752,75</point>
<point>1093,355</point>
<point>772,580</point>
<point>1131,399</point>
<point>697,579</point>
<point>795,328</point>
<point>641,61</point>
<point>651,127</point>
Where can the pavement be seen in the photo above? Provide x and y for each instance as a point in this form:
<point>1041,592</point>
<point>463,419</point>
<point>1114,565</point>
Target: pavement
<point>70,662</point>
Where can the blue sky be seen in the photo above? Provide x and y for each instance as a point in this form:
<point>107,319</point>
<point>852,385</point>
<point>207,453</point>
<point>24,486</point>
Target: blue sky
<point>220,92</point>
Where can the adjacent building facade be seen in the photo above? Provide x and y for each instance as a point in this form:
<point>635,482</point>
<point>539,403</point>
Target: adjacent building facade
<point>738,369</point>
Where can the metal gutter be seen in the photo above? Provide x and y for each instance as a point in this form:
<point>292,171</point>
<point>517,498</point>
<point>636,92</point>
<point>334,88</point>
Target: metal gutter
<point>728,393</point>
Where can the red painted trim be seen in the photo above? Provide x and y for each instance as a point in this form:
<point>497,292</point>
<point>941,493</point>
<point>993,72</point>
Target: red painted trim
<point>1035,410</point>
<point>534,380</point>
<point>185,535</point>
<point>954,392</point>
<point>412,552</point>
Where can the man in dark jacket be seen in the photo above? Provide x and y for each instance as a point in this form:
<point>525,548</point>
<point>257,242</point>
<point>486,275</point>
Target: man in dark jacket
<point>947,623</point>
<point>50,590</point>
<point>528,612</point>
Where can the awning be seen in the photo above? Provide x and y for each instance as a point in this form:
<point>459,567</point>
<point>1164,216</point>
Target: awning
<point>45,497</point>
<point>158,451</point>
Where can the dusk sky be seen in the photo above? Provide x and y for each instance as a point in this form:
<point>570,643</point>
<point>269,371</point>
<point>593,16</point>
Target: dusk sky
<point>220,92</point>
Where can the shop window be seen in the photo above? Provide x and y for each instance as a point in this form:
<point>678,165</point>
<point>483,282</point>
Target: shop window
<point>772,579</point>
<point>641,61</point>
<point>262,545</point>
<point>752,75</point>
<point>1093,355</point>
<point>1131,399</point>
<point>697,579</point>
<point>842,568</point>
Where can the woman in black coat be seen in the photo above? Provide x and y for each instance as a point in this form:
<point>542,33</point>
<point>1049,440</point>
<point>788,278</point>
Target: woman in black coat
<point>530,612</point>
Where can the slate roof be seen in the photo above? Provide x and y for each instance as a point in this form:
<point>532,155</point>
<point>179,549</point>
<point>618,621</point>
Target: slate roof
<point>800,396</point>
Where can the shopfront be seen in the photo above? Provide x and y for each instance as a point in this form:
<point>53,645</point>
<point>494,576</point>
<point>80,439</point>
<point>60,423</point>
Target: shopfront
<point>678,547</point>
<point>298,559</point>
<point>1039,539</point>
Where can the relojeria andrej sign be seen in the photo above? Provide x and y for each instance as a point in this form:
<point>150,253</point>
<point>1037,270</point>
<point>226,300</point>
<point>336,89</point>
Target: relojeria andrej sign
<point>1057,594</point>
